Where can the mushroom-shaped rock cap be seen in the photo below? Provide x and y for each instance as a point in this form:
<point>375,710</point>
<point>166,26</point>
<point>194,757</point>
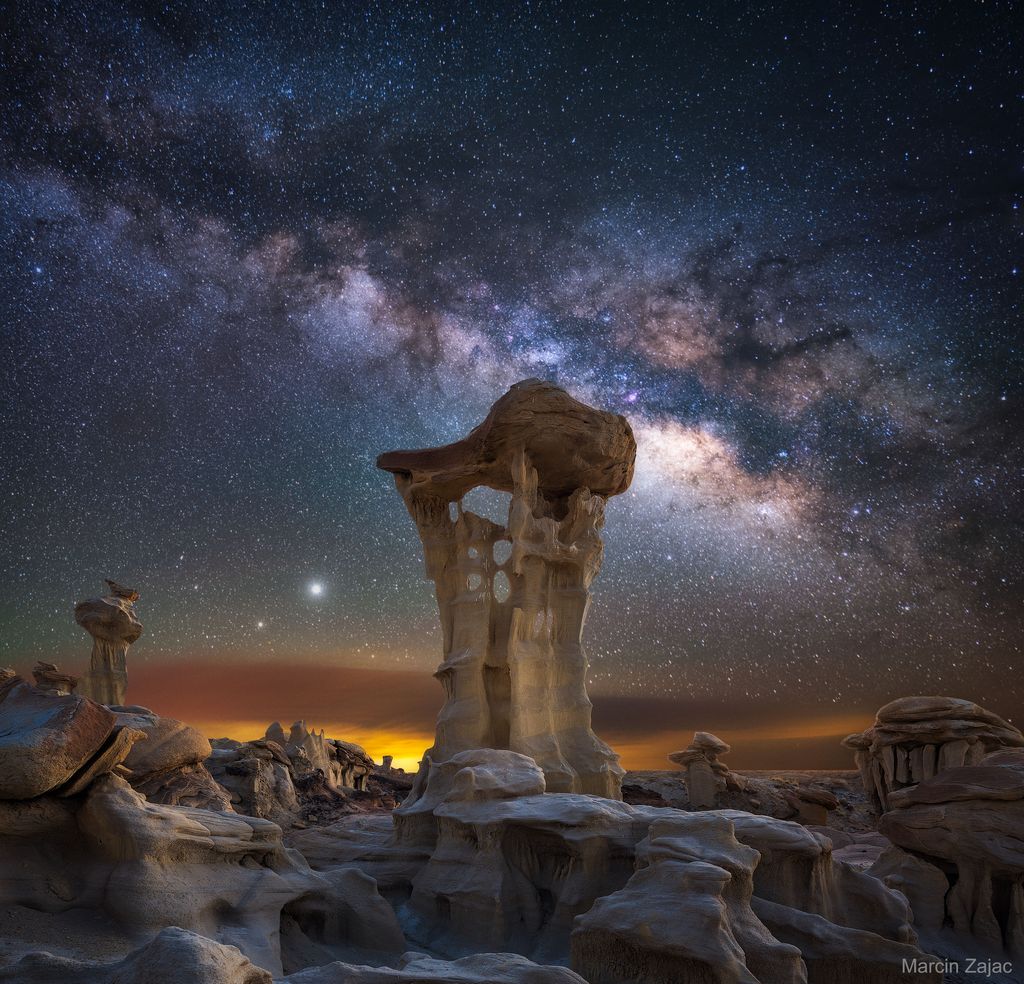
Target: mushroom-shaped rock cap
<point>705,746</point>
<point>934,720</point>
<point>707,742</point>
<point>570,444</point>
<point>912,709</point>
<point>112,619</point>
<point>860,740</point>
<point>686,756</point>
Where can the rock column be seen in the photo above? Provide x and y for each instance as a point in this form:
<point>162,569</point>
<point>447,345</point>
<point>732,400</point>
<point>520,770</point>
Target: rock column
<point>113,625</point>
<point>514,667</point>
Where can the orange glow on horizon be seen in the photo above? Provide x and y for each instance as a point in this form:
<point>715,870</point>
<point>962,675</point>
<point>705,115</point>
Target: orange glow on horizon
<point>406,747</point>
<point>392,712</point>
<point>636,752</point>
<point>650,752</point>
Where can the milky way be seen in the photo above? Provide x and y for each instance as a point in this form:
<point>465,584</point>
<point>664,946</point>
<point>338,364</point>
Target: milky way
<point>244,253</point>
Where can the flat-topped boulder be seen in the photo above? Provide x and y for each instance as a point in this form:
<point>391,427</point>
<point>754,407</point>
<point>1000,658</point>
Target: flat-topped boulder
<point>48,677</point>
<point>913,738</point>
<point>570,444</point>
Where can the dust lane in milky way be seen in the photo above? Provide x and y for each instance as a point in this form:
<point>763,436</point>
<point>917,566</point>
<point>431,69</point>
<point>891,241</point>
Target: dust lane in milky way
<point>245,252</point>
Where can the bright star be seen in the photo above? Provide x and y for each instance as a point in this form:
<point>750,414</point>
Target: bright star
<point>316,589</point>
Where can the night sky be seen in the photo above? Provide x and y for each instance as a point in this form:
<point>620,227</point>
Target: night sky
<point>244,253</point>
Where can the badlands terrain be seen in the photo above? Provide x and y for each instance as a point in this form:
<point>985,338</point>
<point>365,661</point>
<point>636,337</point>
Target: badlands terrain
<point>134,850</point>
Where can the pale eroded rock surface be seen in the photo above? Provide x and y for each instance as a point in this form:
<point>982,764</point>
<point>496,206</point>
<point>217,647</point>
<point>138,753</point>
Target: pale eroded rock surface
<point>684,914</point>
<point>727,896</point>
<point>515,868</point>
<point>963,827</point>
<point>175,956</point>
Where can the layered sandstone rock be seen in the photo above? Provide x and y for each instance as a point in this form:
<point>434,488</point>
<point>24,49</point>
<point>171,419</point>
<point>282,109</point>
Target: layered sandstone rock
<point>727,896</point>
<point>257,776</point>
<point>685,914</point>
<point>514,668</point>
<point>798,873</point>
<point>54,743</point>
<point>343,764</point>
<point>283,776</point>
<point>113,625</point>
<point>964,826</point>
<point>513,867</point>
<point>915,737</point>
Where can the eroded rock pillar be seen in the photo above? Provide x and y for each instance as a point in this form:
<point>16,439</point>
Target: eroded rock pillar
<point>514,667</point>
<point>113,625</point>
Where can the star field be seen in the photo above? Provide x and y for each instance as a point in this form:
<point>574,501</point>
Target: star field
<point>246,251</point>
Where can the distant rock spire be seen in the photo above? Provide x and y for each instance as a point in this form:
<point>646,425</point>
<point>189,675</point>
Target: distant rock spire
<point>113,625</point>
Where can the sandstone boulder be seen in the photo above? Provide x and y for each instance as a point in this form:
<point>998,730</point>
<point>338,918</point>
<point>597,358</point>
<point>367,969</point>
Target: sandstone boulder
<point>478,775</point>
<point>168,744</point>
<point>49,679</point>
<point>166,764</point>
<point>46,739</point>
